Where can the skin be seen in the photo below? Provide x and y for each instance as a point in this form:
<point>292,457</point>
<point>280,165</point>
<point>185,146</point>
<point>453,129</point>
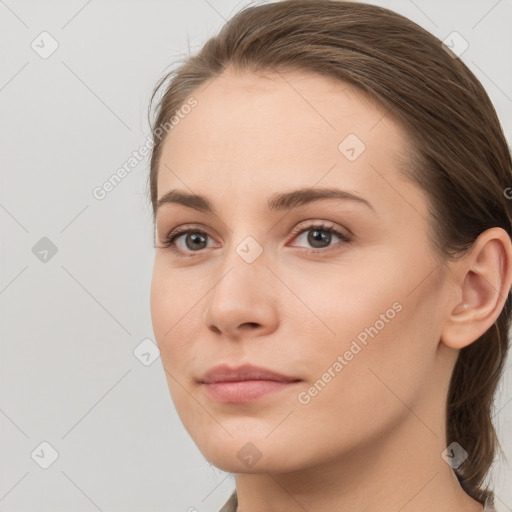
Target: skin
<point>372,438</point>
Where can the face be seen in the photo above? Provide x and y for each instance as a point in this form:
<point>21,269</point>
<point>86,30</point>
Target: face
<point>341,294</point>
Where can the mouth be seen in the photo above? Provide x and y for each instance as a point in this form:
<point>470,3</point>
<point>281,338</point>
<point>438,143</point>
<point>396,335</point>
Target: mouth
<point>246,383</point>
<point>245,390</point>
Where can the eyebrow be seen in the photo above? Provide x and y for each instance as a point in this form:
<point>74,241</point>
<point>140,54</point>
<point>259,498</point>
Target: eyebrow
<point>277,202</point>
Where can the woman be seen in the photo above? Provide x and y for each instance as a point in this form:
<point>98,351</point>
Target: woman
<point>331,287</point>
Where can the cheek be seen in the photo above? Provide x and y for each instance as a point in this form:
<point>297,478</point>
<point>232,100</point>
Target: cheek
<point>367,341</point>
<point>356,390</point>
<point>341,304</point>
<point>171,316</point>
<point>171,313</point>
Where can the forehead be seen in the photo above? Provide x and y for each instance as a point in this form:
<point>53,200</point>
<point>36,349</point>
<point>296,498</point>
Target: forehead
<point>304,103</point>
<point>256,132</point>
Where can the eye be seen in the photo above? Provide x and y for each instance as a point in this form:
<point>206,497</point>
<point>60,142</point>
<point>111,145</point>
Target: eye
<point>319,236</point>
<point>194,240</point>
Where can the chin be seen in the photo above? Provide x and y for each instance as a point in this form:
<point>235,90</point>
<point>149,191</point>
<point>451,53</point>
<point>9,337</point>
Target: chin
<point>241,455</point>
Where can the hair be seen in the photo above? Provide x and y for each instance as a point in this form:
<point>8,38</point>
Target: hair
<point>459,156</point>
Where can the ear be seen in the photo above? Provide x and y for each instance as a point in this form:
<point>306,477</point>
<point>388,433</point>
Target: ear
<point>483,281</point>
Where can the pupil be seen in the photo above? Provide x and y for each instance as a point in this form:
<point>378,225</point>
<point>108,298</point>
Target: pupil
<point>195,237</point>
<point>319,235</point>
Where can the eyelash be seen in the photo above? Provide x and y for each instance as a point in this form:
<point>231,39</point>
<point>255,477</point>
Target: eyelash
<point>171,237</point>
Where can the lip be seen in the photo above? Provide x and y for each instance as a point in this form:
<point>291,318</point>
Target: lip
<point>245,383</point>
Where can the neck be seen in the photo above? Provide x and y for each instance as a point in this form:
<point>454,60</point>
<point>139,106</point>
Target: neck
<point>401,471</point>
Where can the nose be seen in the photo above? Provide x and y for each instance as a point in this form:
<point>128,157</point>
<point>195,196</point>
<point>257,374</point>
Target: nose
<point>244,299</point>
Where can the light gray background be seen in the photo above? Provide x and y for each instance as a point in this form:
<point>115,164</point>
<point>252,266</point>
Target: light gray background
<point>70,325</point>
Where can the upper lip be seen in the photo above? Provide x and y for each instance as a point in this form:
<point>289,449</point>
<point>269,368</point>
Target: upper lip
<point>223,373</point>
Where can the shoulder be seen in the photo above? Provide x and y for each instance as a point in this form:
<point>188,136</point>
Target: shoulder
<point>232,504</point>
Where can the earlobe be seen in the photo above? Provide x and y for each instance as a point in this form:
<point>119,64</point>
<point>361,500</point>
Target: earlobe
<point>486,278</point>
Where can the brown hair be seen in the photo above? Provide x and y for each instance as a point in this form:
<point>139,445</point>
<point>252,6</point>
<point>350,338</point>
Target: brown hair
<point>460,157</point>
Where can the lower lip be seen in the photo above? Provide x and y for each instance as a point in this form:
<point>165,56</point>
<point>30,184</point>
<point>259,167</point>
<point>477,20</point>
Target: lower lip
<point>244,390</point>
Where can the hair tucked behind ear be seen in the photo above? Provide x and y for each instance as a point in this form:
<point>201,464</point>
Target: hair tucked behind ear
<point>460,157</point>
